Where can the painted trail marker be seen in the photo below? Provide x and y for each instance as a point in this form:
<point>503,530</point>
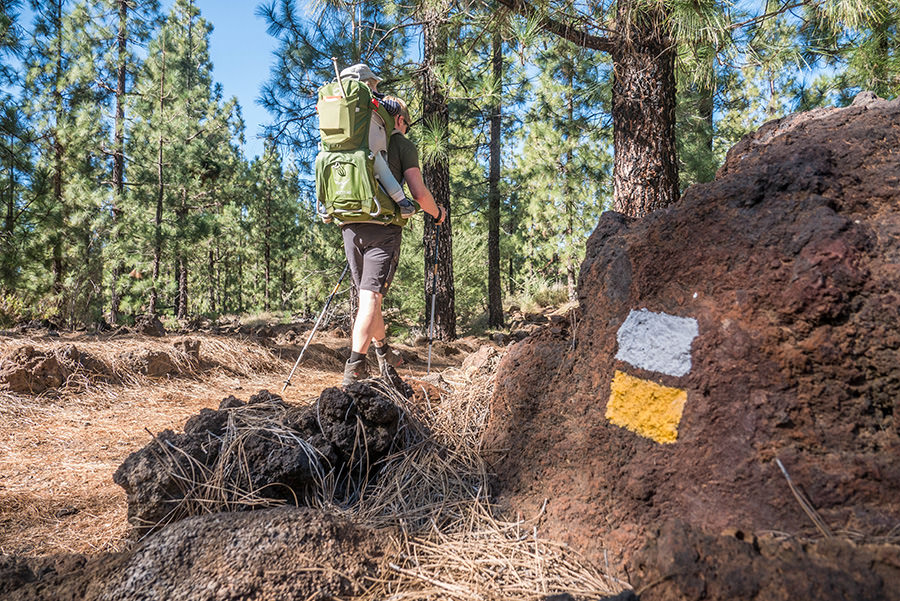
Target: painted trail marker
<point>657,342</point>
<point>654,342</point>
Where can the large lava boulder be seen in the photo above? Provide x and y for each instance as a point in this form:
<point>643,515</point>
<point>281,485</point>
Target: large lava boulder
<point>748,328</point>
<point>679,562</point>
<point>265,451</point>
<point>278,554</point>
<point>27,370</point>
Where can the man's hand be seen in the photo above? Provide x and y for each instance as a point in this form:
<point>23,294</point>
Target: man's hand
<point>441,216</point>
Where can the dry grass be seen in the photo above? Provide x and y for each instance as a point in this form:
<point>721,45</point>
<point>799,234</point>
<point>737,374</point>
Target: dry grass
<point>229,354</point>
<point>449,541</point>
<point>58,452</point>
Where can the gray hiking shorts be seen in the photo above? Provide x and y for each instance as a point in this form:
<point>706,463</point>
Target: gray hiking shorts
<point>373,251</point>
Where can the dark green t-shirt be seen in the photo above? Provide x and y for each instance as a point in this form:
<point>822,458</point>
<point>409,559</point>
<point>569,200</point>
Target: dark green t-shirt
<point>402,155</point>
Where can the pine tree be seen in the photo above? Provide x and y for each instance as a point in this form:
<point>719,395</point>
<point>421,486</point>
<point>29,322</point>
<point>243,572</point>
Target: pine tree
<point>495,297</point>
<point>15,162</point>
<point>121,26</point>
<point>183,141</point>
<point>564,163</point>
<point>66,111</point>
<point>642,37</point>
<point>273,213</point>
<point>438,240</point>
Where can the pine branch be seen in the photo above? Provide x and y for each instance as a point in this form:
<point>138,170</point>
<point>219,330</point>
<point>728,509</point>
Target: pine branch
<point>563,30</point>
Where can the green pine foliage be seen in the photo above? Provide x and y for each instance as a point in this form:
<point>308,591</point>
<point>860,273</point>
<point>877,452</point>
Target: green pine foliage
<point>202,230</point>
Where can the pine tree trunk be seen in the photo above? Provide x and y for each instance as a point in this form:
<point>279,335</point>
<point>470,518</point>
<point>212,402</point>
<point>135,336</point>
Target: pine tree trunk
<point>119,157</point>
<point>211,288</point>
<point>495,295</point>
<point>437,178</point>
<point>240,284</point>
<point>58,266</point>
<point>160,192</point>
<point>181,260</point>
<point>267,249</point>
<point>569,193</point>
<point>645,173</point>
<point>9,226</point>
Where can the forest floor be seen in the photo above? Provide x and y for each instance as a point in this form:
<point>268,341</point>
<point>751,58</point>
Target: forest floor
<point>59,449</point>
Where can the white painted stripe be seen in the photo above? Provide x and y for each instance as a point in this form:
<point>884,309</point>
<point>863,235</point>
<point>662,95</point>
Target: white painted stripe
<point>657,342</point>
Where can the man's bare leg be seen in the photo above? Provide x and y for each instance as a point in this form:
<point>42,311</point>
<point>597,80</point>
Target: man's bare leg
<point>369,323</point>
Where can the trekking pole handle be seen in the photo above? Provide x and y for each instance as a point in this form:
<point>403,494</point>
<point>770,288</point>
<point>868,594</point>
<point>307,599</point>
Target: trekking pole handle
<point>337,73</point>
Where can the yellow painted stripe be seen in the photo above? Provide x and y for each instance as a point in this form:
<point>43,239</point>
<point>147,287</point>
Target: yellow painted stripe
<point>646,408</point>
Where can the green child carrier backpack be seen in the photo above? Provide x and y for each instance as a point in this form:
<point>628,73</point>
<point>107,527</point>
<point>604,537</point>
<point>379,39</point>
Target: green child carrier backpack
<point>346,189</point>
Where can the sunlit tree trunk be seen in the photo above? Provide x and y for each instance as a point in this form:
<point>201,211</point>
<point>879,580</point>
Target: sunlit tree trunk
<point>436,173</point>
<point>495,298</point>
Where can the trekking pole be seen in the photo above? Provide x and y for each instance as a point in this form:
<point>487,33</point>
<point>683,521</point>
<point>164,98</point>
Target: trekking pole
<point>437,240</point>
<point>315,327</point>
<point>337,73</point>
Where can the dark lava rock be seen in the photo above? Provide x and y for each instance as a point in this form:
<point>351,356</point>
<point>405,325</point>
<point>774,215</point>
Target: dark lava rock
<point>230,402</point>
<point>680,562</point>
<point>276,451</point>
<point>149,325</point>
<point>340,411</point>
<point>27,370</point>
<point>789,261</point>
<point>280,554</point>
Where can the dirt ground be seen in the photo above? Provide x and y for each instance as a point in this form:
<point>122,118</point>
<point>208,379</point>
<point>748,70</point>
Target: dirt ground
<point>59,449</point>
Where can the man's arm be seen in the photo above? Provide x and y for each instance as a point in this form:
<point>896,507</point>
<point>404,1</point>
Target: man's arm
<point>422,195</point>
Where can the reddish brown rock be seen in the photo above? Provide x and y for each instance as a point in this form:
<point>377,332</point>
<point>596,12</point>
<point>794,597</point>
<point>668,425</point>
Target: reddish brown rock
<point>149,362</point>
<point>679,562</point>
<point>790,263</point>
<point>27,370</point>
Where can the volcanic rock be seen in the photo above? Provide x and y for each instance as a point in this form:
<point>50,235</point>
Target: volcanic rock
<point>190,347</point>
<point>267,451</point>
<point>81,361</point>
<point>340,410</point>
<point>148,362</point>
<point>786,268</point>
<point>27,370</point>
<point>149,325</point>
<point>277,554</point>
<point>680,562</point>
<point>480,362</point>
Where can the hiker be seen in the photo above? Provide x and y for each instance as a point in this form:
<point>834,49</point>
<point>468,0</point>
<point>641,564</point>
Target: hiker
<point>373,251</point>
<point>378,142</point>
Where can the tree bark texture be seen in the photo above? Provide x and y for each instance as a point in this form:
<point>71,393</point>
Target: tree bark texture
<point>58,151</point>
<point>436,172</point>
<point>267,248</point>
<point>645,172</point>
<point>495,297</point>
<point>181,267</point>
<point>160,192</point>
<point>119,152</point>
<point>9,265</point>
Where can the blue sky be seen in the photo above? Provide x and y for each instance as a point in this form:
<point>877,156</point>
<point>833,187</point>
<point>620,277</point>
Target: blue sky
<point>241,52</point>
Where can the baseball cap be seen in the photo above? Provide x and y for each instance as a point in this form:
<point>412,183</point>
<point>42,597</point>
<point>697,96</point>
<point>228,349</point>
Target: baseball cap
<point>359,71</point>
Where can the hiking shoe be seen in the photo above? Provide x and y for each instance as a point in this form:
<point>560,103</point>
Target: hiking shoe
<point>355,371</point>
<point>407,208</point>
<point>387,356</point>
